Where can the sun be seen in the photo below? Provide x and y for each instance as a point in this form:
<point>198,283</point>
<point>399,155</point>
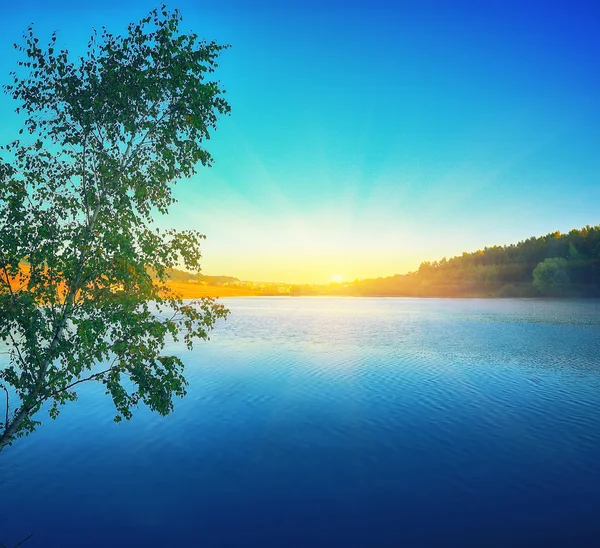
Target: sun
<point>337,278</point>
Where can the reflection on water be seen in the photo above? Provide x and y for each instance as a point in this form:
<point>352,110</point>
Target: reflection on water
<point>344,422</point>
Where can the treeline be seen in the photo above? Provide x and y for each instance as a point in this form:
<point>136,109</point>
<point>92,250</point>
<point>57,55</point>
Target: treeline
<point>182,276</point>
<point>552,265</point>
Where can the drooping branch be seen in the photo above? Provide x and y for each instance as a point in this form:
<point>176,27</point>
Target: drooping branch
<point>56,394</point>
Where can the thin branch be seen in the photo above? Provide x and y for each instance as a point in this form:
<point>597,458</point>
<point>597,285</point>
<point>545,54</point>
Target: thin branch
<point>84,183</point>
<point>13,298</point>
<point>7,404</point>
<point>52,285</point>
<point>7,281</point>
<point>147,134</point>
<point>17,349</point>
<point>20,543</point>
<point>93,377</point>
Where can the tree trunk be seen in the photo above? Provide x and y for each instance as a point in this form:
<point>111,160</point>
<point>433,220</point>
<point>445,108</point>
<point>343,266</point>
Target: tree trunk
<point>13,427</point>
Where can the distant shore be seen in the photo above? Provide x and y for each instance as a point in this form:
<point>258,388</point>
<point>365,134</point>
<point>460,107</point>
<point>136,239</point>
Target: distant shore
<point>187,290</point>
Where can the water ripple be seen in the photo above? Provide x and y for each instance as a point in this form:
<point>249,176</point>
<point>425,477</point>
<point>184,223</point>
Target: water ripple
<point>321,417</point>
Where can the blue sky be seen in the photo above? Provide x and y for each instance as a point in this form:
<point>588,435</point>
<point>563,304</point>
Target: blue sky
<point>366,137</point>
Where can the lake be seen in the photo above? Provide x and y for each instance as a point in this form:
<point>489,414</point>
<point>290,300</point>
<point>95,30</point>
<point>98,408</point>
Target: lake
<point>337,422</point>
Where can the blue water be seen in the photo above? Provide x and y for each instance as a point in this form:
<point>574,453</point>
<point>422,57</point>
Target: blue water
<point>337,422</point>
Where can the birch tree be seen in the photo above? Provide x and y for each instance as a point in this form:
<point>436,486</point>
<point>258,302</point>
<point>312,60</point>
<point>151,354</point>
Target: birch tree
<point>82,268</point>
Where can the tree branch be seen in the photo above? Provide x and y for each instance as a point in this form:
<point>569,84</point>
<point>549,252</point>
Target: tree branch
<point>7,404</point>
<point>20,543</point>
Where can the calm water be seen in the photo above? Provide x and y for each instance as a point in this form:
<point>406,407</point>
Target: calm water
<point>338,422</point>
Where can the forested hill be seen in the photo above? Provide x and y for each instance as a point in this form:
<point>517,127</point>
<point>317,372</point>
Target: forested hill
<point>182,276</point>
<point>555,264</point>
<point>552,265</point>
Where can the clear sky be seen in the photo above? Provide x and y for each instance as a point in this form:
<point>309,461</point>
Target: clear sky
<point>366,137</point>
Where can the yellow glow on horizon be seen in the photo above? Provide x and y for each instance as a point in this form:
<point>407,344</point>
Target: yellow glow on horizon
<point>269,235</point>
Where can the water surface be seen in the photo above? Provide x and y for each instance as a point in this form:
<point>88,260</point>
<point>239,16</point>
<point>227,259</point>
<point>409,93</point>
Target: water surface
<point>338,422</point>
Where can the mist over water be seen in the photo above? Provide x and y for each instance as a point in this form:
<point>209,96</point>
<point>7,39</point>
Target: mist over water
<point>337,422</point>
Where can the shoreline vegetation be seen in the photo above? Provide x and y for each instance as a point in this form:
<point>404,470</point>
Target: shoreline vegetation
<point>555,265</point>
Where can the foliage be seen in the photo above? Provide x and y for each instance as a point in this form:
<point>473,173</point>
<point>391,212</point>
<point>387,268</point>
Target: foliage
<point>498,271</point>
<point>108,136</point>
<point>175,274</point>
<point>551,276</point>
<point>508,270</point>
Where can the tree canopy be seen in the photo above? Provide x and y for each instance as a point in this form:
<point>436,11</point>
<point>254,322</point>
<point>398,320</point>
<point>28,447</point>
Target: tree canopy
<point>105,138</point>
<point>498,271</point>
<point>551,276</point>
